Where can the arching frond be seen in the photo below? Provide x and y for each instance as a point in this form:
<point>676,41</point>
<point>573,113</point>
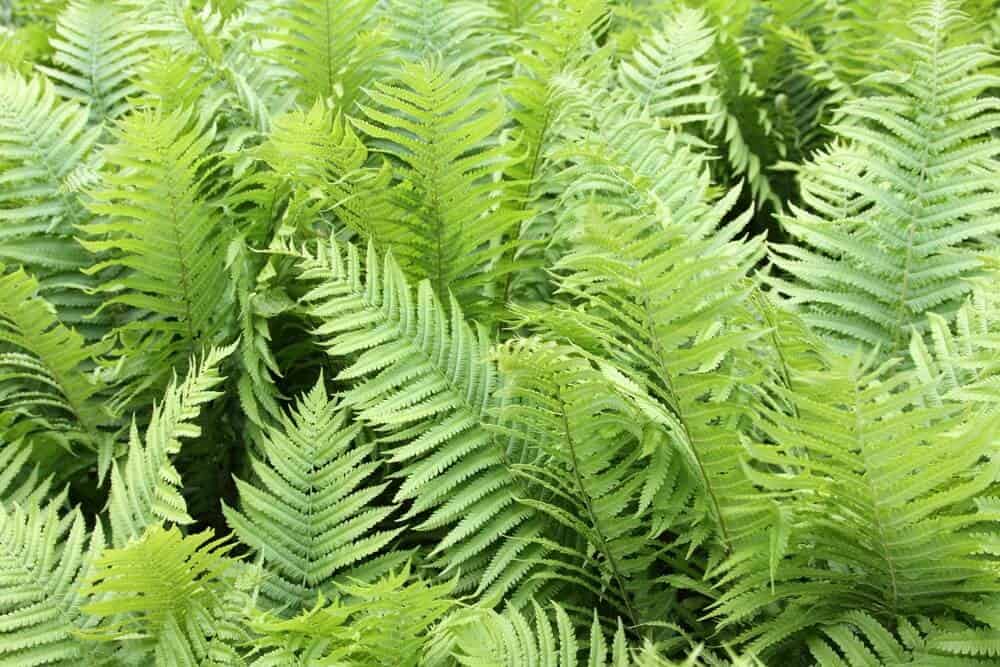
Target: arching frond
<point>161,241</point>
<point>165,591</point>
<point>43,143</point>
<point>44,561</point>
<point>423,378</point>
<point>44,364</point>
<point>145,489</point>
<point>312,515</point>
<point>905,202</point>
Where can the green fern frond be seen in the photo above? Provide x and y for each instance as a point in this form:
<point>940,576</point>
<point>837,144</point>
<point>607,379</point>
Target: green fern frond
<point>161,242</point>
<point>98,50</point>
<point>44,365</point>
<point>868,459</point>
<point>386,622</point>
<point>146,489</point>
<point>443,128</point>
<point>44,560</point>
<point>332,46</point>
<point>164,590</point>
<point>20,482</point>
<point>311,515</point>
<point>423,379</point>
<point>43,143</point>
<point>458,32</point>
<point>916,191</point>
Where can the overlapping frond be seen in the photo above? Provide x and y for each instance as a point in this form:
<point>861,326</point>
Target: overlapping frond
<point>869,460</point>
<point>44,364</point>
<point>900,208</point>
<point>165,591</point>
<point>99,47</point>
<point>332,46</point>
<point>44,560</point>
<point>145,490</point>
<point>423,379</point>
<point>161,242</point>
<point>443,127</point>
<point>313,513</point>
<point>43,143</point>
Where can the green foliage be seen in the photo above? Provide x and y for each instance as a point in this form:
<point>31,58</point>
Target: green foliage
<point>499,332</point>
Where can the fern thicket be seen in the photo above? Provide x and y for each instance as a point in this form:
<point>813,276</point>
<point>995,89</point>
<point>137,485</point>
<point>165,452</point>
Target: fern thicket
<point>499,333</point>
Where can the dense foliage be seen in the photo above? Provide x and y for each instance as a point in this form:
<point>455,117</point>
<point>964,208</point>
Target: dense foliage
<point>499,332</point>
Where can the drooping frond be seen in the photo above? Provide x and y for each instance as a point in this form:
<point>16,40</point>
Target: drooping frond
<point>860,455</point>
<point>98,49</point>
<point>44,364</point>
<point>164,590</point>
<point>386,622</point>
<point>423,378</point>
<point>161,241</point>
<point>332,46</point>
<point>891,231</point>
<point>587,479</point>
<point>43,143</point>
<point>145,490</point>
<point>443,127</point>
<point>44,560</point>
<point>312,514</point>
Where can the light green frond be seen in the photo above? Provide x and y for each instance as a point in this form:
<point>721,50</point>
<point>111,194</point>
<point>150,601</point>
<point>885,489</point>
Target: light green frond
<point>312,513</point>
<point>458,32</point>
<point>44,560</point>
<point>161,242</point>
<point>98,48</point>
<point>20,482</point>
<point>868,459</point>
<point>145,490</point>
<point>386,622</point>
<point>423,379</point>
<point>44,365</point>
<point>443,127</point>
<point>332,46</point>
<point>915,186</point>
<point>164,590</point>
<point>43,142</point>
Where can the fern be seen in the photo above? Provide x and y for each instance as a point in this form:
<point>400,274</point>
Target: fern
<point>310,515</point>
<point>161,241</point>
<point>98,50</point>
<point>920,514</point>
<point>442,128</point>
<point>44,559</point>
<point>163,590</point>
<point>44,143</point>
<point>892,232</point>
<point>424,380</point>
<point>145,489</point>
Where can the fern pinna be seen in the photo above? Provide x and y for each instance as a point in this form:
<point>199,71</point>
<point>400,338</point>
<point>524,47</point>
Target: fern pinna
<point>500,333</point>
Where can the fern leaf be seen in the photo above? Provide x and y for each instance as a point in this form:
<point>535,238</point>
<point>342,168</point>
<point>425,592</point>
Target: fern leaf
<point>146,489</point>
<point>311,514</point>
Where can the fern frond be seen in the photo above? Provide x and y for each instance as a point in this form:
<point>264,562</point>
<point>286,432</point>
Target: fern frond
<point>164,590</point>
<point>443,128</point>
<point>43,142</point>
<point>868,459</point>
<point>98,50</point>
<point>162,241</point>
<point>916,194</point>
<point>332,46</point>
<point>44,364</point>
<point>423,379</point>
<point>458,32</point>
<point>311,515</point>
<point>44,560</point>
<point>146,489</point>
<point>20,482</point>
<point>385,622</point>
